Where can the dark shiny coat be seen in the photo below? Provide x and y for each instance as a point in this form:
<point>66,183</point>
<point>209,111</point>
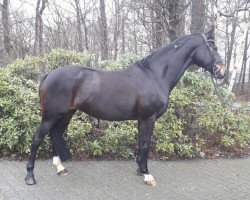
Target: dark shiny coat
<point>139,92</point>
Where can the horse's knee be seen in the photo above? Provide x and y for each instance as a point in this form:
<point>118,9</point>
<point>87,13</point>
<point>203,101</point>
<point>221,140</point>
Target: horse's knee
<point>146,146</point>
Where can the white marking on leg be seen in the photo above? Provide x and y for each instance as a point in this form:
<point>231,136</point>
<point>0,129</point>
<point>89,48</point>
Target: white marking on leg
<point>58,164</point>
<point>149,179</point>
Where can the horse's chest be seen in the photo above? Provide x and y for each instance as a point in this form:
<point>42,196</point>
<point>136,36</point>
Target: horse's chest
<point>153,104</point>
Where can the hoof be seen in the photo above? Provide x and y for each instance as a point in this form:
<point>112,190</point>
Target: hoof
<point>149,180</point>
<point>62,173</point>
<point>29,179</point>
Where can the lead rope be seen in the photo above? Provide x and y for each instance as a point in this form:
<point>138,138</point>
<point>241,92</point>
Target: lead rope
<point>222,98</point>
<point>218,93</point>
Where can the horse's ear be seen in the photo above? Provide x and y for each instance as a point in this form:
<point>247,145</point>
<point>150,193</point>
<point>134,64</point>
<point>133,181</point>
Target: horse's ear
<point>210,34</point>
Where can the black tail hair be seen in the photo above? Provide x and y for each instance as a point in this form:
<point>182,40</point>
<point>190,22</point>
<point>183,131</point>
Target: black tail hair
<point>42,79</point>
<point>58,143</point>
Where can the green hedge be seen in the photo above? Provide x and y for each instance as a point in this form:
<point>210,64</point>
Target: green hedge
<point>186,130</point>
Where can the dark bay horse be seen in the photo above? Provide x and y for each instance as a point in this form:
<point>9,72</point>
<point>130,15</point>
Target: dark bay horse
<point>139,92</point>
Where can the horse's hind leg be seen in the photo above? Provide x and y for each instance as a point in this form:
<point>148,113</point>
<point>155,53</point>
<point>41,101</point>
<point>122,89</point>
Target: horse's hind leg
<point>60,150</point>
<point>38,138</point>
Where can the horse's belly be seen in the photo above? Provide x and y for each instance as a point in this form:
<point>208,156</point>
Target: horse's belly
<point>108,110</point>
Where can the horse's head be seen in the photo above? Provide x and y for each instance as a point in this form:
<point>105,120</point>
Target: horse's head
<point>206,56</point>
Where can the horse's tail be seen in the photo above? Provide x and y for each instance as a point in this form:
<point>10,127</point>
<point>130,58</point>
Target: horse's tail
<point>42,80</point>
<point>58,143</point>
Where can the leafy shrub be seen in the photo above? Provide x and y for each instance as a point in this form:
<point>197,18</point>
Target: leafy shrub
<point>19,103</point>
<point>120,138</point>
<point>110,64</point>
<point>118,64</point>
<point>76,133</point>
<point>60,57</point>
<point>195,122</point>
<point>233,127</point>
<point>127,60</point>
<point>32,68</point>
<point>29,68</point>
<point>19,114</point>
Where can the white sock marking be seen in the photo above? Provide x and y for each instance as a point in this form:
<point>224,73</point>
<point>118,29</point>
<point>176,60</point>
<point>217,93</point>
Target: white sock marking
<point>58,164</point>
<point>148,177</point>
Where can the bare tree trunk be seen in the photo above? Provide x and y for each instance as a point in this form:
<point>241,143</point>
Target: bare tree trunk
<point>197,16</point>
<point>60,37</point>
<point>157,24</point>
<point>167,20</point>
<point>248,79</point>
<point>6,27</point>
<point>79,30</point>
<point>197,21</point>
<point>182,13</point>
<point>86,38</point>
<point>85,28</point>
<point>249,73</point>
<point>103,31</point>
<point>153,31</point>
<point>116,27</point>
<point>232,80</point>
<point>230,49</point>
<point>135,40</point>
<point>173,19</point>
<point>38,45</point>
<point>244,65</point>
<point>123,35</point>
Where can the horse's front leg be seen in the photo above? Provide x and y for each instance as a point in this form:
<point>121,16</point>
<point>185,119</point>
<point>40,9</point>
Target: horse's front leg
<point>145,128</point>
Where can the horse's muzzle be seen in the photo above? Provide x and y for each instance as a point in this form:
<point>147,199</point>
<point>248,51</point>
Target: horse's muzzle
<point>219,71</point>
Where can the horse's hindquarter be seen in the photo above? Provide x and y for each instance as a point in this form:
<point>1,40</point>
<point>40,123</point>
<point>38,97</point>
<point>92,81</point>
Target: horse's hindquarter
<point>58,89</point>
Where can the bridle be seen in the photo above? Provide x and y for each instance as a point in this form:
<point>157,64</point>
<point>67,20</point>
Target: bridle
<point>214,76</point>
<point>215,61</point>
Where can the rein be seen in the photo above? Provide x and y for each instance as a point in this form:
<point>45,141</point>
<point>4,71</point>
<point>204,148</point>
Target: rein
<point>218,93</point>
<point>222,98</point>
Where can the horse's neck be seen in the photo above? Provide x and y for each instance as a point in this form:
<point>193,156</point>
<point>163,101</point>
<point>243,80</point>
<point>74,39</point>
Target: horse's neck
<point>169,65</point>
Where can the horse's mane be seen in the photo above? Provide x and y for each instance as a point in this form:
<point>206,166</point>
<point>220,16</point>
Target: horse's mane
<point>144,63</point>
